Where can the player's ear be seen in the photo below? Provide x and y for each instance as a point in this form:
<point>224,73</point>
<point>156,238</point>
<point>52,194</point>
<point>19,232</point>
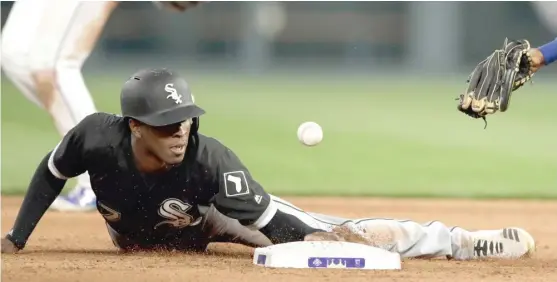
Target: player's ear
<point>135,128</point>
<point>137,132</point>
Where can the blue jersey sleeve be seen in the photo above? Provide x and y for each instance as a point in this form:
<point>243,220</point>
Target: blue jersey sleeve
<point>549,52</point>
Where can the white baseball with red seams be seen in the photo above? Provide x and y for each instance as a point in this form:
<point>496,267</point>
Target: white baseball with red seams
<point>310,133</point>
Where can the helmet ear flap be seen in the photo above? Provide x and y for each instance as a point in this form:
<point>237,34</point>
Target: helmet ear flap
<point>194,125</point>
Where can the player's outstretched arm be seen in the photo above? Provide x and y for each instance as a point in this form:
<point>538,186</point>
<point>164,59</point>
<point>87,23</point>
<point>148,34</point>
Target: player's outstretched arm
<point>42,191</point>
<point>65,161</point>
<point>241,197</point>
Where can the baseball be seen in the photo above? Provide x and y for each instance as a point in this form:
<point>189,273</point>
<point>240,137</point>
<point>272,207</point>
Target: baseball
<point>310,133</point>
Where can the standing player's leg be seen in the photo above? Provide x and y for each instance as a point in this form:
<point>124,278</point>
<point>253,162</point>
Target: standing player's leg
<point>432,239</point>
<point>44,47</point>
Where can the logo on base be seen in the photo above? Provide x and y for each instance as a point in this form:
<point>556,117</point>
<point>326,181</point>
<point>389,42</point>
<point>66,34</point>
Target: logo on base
<point>325,262</point>
<point>261,259</point>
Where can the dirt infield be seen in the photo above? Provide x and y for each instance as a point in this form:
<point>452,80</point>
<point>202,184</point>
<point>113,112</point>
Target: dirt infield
<point>76,247</point>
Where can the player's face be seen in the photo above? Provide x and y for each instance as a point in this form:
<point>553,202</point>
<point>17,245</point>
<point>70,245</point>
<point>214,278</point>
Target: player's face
<point>168,143</point>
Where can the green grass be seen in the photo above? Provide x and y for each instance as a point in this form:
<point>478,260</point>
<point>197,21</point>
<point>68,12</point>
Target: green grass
<point>382,136</point>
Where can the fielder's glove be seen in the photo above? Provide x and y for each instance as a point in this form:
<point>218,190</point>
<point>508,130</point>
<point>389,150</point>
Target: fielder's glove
<point>494,79</point>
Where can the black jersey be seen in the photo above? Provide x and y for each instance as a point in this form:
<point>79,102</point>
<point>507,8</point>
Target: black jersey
<point>152,208</point>
<point>160,209</point>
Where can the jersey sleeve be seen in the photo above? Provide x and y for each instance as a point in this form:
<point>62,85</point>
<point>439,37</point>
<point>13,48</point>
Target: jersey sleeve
<point>240,196</point>
<point>549,52</point>
<point>67,159</point>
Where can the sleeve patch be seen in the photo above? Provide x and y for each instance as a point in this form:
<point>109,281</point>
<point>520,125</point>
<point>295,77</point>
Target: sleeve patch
<point>235,184</point>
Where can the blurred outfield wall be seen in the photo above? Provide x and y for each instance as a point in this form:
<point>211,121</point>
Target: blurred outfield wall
<point>417,37</point>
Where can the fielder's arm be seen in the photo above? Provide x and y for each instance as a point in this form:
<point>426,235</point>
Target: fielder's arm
<point>65,161</point>
<point>241,197</point>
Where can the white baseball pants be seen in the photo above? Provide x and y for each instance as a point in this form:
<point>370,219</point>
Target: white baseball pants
<point>408,238</point>
<point>44,46</point>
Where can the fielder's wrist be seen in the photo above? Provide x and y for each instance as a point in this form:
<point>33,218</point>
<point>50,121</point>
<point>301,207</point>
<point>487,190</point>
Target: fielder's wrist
<point>549,52</point>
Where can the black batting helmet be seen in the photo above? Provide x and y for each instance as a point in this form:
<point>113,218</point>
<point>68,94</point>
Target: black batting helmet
<point>159,97</point>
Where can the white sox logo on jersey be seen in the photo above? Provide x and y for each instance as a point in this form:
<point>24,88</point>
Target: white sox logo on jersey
<point>173,93</point>
<point>176,213</point>
<point>235,184</point>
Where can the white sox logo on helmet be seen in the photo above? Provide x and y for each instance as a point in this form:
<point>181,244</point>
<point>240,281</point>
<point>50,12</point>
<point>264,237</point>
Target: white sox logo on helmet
<point>173,93</point>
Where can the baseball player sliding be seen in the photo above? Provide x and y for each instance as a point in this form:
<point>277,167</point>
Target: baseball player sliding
<point>44,46</point>
<point>159,183</point>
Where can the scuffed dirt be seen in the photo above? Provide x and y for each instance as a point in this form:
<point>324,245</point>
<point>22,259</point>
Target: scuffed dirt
<point>76,247</point>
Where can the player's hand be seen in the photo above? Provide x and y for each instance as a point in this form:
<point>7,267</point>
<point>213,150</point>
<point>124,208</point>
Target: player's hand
<point>8,247</point>
<point>340,234</point>
<point>538,60</point>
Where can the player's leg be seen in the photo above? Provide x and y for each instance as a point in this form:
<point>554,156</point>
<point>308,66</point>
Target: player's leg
<point>20,31</point>
<point>432,239</point>
<point>44,48</point>
<point>79,41</point>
